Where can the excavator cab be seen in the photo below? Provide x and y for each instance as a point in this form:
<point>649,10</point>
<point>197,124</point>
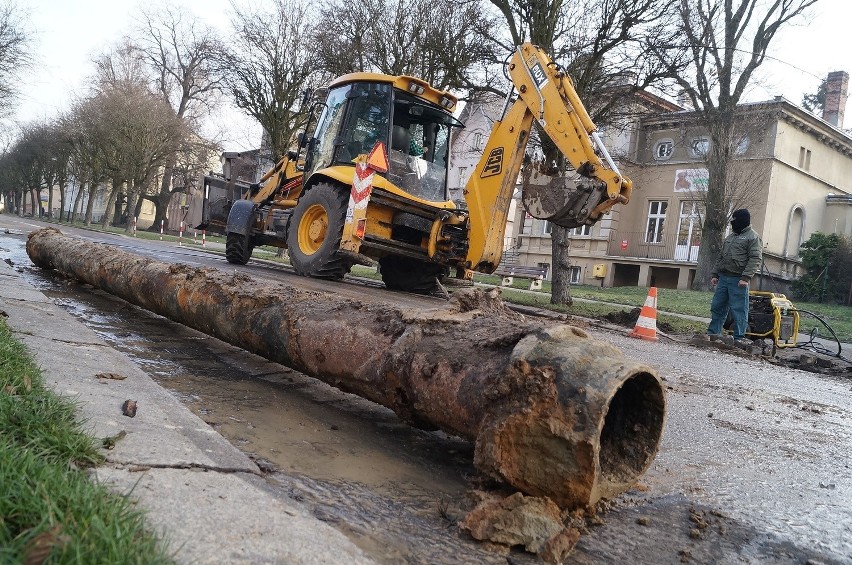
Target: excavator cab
<point>415,133</point>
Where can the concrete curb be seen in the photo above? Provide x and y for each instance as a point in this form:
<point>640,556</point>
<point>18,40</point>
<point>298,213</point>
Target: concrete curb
<point>207,499</point>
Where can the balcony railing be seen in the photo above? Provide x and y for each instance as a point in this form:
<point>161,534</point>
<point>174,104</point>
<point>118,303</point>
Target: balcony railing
<point>669,248</point>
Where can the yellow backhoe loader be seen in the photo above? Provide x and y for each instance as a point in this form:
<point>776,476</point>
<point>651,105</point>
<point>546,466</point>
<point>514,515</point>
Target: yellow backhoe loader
<point>368,181</point>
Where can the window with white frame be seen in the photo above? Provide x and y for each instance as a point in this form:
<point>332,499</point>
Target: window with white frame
<point>582,230</point>
<point>574,274</point>
<point>548,227</point>
<point>656,221</point>
<point>663,149</point>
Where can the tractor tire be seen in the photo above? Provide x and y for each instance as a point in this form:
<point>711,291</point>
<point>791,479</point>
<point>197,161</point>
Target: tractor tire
<point>411,275</point>
<point>237,248</point>
<point>315,230</point>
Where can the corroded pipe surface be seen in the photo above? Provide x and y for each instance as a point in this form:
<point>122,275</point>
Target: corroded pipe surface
<point>553,412</point>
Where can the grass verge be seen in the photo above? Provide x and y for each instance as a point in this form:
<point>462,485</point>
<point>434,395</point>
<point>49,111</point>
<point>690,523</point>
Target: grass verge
<point>50,511</point>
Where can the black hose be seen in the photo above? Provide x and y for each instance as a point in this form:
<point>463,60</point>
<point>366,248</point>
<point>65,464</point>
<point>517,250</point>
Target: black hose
<point>819,348</point>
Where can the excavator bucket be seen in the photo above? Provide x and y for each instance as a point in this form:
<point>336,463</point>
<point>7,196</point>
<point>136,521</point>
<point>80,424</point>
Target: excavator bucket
<point>219,195</point>
<point>564,201</point>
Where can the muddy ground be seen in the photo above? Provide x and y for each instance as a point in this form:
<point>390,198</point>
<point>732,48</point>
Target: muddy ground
<point>754,465</point>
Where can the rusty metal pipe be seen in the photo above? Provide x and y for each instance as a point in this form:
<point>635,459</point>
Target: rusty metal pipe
<point>553,412</point>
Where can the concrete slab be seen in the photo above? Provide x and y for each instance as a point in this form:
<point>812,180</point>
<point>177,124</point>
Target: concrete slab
<point>205,496</point>
<point>215,526</point>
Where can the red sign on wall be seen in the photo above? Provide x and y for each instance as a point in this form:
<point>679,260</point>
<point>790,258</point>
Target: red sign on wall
<point>624,245</point>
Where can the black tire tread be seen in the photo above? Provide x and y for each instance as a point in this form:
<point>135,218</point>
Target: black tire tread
<point>333,266</point>
<point>237,249</point>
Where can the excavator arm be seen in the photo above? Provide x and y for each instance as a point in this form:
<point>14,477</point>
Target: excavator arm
<point>546,95</point>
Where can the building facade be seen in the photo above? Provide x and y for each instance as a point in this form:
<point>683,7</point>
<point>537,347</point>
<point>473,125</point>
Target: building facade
<point>791,169</point>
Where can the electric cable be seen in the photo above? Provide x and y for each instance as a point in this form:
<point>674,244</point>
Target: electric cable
<point>818,347</point>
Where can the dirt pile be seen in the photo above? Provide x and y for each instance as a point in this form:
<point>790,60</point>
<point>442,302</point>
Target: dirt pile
<point>532,522</point>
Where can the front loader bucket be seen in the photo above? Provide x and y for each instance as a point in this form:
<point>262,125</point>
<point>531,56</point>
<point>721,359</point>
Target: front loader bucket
<point>219,195</point>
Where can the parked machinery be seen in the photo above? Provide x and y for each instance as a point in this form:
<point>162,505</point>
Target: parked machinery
<point>368,180</point>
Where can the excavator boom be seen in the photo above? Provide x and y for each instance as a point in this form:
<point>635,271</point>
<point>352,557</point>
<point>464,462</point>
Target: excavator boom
<point>546,95</point>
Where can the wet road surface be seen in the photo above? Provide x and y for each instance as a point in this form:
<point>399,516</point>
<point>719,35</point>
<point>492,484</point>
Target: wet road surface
<point>754,465</point>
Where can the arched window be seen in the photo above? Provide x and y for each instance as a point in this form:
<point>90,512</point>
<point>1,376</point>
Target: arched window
<point>795,235</point>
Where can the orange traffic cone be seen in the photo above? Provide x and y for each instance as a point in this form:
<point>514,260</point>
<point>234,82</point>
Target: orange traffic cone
<point>646,325</point>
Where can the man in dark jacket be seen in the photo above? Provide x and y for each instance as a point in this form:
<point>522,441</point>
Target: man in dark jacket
<point>740,259</point>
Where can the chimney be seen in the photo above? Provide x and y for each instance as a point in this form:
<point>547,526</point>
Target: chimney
<point>836,86</point>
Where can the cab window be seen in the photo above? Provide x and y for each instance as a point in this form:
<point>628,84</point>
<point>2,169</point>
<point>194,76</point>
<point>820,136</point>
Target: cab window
<point>419,148</point>
<point>327,127</point>
<point>366,122</point>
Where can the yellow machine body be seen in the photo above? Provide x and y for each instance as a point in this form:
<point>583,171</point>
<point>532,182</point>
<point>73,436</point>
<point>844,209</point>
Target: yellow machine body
<point>772,316</point>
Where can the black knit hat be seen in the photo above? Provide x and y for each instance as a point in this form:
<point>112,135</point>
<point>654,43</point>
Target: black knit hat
<point>742,215</point>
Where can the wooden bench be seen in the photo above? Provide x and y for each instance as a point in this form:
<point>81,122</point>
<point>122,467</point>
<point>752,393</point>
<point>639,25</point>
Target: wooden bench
<point>534,274</point>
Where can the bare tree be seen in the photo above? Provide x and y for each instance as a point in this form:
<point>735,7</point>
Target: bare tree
<point>439,41</point>
<point>87,156</point>
<point>140,133</point>
<point>181,52</point>
<point>268,66</point>
<point>127,132</point>
<point>38,161</point>
<point>603,45</point>
<point>15,52</point>
<point>722,43</point>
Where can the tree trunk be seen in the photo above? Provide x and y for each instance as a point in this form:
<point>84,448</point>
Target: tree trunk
<point>133,199</point>
<point>161,206</point>
<point>78,200</point>
<point>63,200</point>
<point>90,203</point>
<point>161,201</point>
<point>49,213</point>
<point>108,210</point>
<point>553,412</point>
<point>716,213</point>
<point>560,285</point>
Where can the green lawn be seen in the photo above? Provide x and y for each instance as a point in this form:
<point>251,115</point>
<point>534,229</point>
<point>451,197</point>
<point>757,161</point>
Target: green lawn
<point>50,510</point>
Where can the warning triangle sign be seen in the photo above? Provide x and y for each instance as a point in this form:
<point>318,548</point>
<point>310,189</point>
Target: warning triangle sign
<point>378,158</point>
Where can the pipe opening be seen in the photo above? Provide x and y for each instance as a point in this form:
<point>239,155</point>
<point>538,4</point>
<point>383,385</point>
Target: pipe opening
<point>632,429</point>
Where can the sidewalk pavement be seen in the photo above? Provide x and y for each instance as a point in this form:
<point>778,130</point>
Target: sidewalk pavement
<point>206,498</point>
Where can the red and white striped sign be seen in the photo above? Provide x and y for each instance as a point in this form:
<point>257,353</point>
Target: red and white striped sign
<point>362,182</point>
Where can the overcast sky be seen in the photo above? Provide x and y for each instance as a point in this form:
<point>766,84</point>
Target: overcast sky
<point>70,32</point>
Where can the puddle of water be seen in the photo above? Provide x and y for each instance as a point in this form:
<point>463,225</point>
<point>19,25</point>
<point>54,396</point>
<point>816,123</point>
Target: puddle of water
<point>395,490</point>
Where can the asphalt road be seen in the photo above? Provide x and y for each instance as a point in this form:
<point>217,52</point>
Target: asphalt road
<point>754,464</point>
